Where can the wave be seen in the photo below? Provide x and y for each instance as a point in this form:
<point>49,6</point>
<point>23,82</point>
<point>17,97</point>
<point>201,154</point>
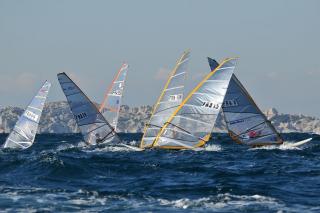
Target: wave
<point>98,201</point>
<point>41,197</point>
<point>285,146</point>
<point>109,148</point>
<point>225,202</point>
<point>213,148</point>
<point>119,148</point>
<point>64,147</point>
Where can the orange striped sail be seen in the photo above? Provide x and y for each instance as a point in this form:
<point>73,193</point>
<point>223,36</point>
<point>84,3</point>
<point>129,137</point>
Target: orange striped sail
<point>110,106</point>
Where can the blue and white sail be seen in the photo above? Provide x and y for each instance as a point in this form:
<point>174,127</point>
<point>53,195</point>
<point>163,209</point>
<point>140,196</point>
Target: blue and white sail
<point>93,126</point>
<point>245,122</point>
<point>24,132</point>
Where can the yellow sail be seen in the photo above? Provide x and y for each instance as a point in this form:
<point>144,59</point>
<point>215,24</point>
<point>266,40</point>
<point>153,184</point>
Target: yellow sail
<point>191,124</point>
<point>170,98</point>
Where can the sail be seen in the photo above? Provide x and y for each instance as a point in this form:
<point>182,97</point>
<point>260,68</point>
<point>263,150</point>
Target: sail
<point>191,124</point>
<point>24,132</point>
<point>169,100</point>
<point>110,107</point>
<point>93,126</point>
<point>245,122</point>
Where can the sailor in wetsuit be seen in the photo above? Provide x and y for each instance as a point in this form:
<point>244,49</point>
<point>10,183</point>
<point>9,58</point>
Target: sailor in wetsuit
<point>98,138</point>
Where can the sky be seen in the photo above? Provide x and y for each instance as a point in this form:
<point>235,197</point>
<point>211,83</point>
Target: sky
<point>277,42</point>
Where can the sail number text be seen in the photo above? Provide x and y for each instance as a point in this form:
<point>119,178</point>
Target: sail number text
<point>32,116</point>
<point>80,116</point>
<point>230,103</point>
<point>210,105</point>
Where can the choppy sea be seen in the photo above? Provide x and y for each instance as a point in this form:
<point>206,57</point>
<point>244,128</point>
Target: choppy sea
<point>59,173</point>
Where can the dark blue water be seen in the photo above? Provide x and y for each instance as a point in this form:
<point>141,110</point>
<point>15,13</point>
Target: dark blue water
<point>60,174</point>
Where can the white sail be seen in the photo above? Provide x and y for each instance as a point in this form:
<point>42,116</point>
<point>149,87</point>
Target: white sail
<point>169,100</point>
<point>191,124</point>
<point>245,121</point>
<point>110,107</point>
<point>24,132</point>
<point>92,124</point>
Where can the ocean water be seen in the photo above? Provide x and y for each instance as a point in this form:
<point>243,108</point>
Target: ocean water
<point>60,174</point>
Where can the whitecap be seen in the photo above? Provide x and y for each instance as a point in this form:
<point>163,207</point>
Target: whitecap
<point>285,146</point>
<point>224,201</point>
<point>111,148</point>
<point>213,148</point>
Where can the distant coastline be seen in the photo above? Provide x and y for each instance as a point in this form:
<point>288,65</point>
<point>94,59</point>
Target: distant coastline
<point>57,118</point>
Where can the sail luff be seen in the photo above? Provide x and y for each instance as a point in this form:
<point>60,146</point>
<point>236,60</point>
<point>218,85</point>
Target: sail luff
<point>105,98</point>
<point>206,138</point>
<point>155,107</point>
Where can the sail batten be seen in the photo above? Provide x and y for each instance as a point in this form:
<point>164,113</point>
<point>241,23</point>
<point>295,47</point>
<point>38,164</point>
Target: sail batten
<point>169,99</point>
<point>172,88</point>
<point>93,126</point>
<point>176,75</point>
<point>23,134</point>
<point>197,113</point>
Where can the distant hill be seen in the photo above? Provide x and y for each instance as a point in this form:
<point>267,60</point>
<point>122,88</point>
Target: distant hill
<point>57,118</point>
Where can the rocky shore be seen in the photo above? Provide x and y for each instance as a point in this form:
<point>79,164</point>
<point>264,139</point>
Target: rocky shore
<point>57,118</point>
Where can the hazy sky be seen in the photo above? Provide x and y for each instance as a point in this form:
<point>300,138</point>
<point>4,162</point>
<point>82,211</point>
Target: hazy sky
<point>277,42</point>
